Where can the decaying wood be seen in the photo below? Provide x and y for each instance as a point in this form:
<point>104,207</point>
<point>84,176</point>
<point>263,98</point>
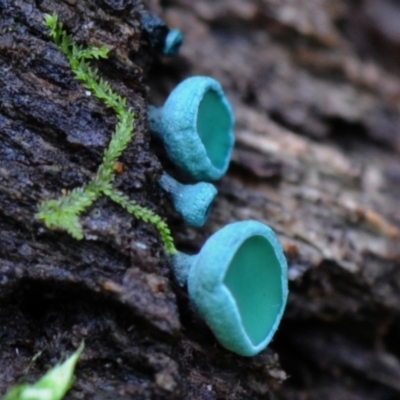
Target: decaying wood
<point>316,99</point>
<point>317,157</point>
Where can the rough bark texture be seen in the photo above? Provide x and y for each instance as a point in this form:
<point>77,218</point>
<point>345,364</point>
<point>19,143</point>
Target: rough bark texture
<point>315,85</point>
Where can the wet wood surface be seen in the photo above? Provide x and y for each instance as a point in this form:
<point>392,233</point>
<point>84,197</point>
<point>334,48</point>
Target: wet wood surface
<point>315,88</point>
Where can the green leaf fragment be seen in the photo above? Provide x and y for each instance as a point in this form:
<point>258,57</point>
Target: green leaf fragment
<point>52,386</point>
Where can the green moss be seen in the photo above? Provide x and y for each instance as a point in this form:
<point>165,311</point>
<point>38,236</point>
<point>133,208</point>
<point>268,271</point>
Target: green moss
<point>63,213</point>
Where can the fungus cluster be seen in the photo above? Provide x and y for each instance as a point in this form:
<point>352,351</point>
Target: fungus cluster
<point>238,281</point>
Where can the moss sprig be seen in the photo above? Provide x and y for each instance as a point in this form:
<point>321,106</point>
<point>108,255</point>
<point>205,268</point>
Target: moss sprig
<point>63,213</point>
<point>145,215</point>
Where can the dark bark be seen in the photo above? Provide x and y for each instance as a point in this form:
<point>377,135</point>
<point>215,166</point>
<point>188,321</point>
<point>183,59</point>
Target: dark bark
<point>316,98</point>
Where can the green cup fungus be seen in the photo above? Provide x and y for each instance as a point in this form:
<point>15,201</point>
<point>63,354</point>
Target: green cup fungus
<point>192,202</point>
<point>172,42</point>
<point>196,127</point>
<point>238,284</point>
<point>163,39</point>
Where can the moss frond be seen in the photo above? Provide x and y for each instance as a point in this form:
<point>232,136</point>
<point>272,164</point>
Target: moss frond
<point>63,213</point>
<point>145,215</point>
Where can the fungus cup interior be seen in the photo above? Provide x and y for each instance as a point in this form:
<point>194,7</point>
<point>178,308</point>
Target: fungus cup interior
<point>254,280</point>
<point>214,126</point>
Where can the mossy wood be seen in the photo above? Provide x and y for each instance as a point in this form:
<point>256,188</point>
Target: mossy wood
<point>316,157</point>
<point>64,212</point>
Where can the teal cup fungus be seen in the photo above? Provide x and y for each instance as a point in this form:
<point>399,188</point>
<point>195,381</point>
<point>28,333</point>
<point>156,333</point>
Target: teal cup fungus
<point>172,42</point>
<point>196,127</point>
<point>163,39</point>
<point>238,284</point>
<point>192,202</point>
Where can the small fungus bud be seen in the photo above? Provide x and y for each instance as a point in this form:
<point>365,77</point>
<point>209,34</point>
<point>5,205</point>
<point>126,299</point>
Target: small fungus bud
<point>192,202</point>
<point>163,39</point>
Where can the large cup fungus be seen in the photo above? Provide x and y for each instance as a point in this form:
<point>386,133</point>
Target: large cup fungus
<point>238,284</point>
<point>196,126</point>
